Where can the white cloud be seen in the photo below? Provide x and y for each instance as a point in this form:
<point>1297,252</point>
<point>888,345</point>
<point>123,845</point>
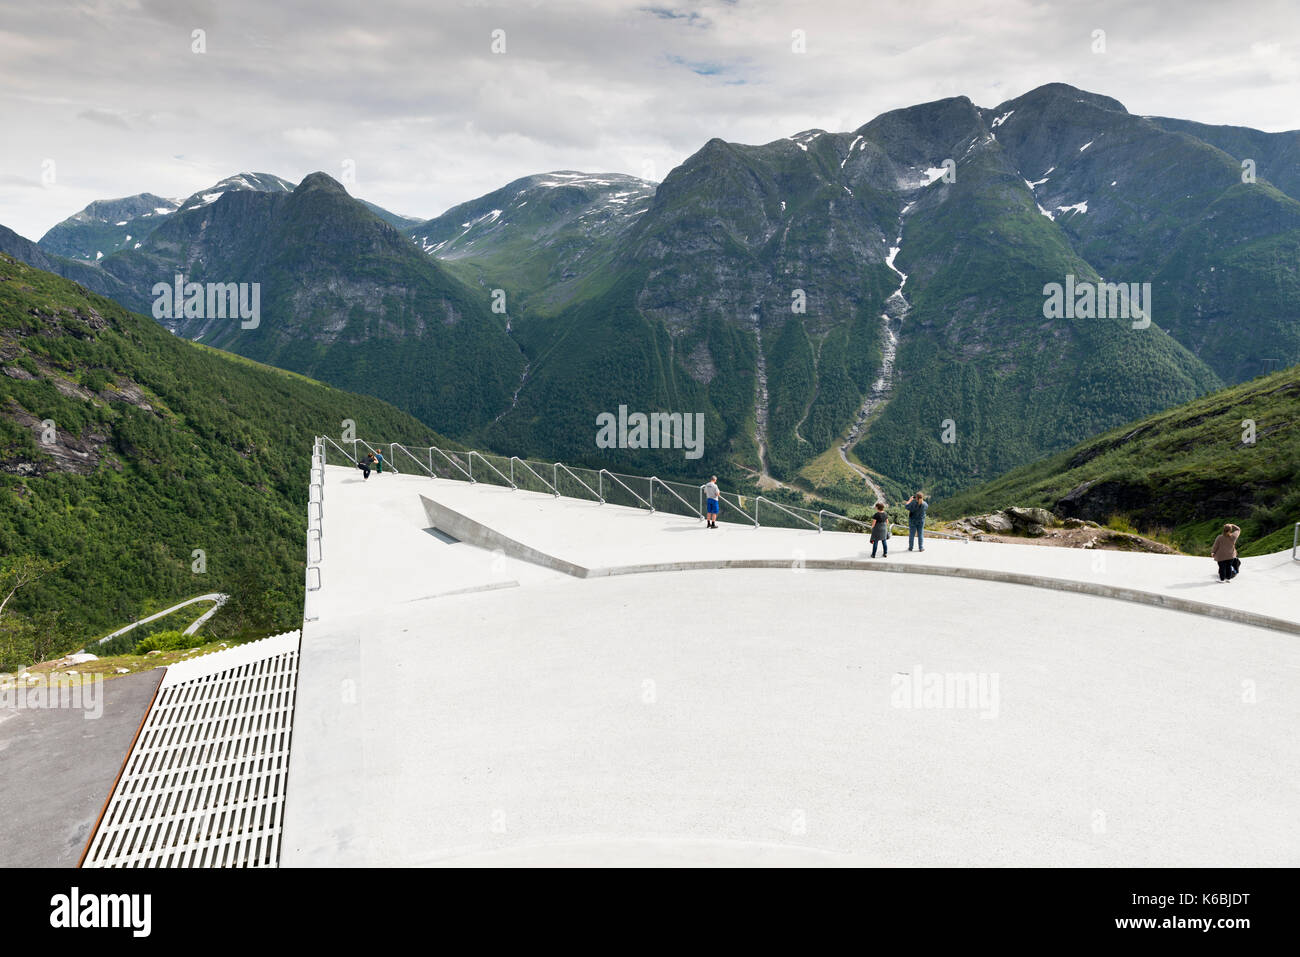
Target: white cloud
<point>412,94</point>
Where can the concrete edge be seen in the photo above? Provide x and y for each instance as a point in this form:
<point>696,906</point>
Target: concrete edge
<point>476,533</point>
<point>1135,595</point>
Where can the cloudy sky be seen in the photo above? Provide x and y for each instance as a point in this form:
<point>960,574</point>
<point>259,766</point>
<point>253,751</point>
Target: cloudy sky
<point>105,98</point>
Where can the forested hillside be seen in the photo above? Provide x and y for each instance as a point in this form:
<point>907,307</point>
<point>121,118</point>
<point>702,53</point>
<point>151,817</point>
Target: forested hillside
<point>1232,456</point>
<point>158,447</point>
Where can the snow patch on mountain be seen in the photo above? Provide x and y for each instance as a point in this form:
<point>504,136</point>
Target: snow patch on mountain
<point>852,146</point>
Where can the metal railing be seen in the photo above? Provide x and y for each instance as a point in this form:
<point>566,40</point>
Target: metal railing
<point>395,446</point>
<point>673,492</point>
<point>529,468</point>
<point>637,491</point>
<point>316,524</point>
<point>488,462</point>
<point>758,502</point>
<point>321,445</point>
<point>603,472</point>
<point>1295,542</point>
<point>600,499</point>
<point>469,474</point>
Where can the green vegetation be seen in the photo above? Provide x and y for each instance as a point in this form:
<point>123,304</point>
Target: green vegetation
<point>171,640</point>
<point>183,448</point>
<point>1176,476</point>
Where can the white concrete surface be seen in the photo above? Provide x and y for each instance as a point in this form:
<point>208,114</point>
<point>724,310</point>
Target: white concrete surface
<point>456,707</point>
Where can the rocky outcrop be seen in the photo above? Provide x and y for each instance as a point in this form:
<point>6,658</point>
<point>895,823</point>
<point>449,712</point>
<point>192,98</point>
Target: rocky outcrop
<point>1010,521</point>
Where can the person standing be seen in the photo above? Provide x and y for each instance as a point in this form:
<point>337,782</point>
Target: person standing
<point>379,459</point>
<point>880,531</point>
<point>712,502</point>
<point>1224,551</point>
<point>916,507</point>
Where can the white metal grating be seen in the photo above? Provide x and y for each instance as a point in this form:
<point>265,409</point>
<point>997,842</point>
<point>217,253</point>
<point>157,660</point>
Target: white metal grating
<point>204,785</point>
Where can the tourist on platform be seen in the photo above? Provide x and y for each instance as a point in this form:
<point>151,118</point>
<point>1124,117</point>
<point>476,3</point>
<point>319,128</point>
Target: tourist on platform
<point>1224,551</point>
<point>367,464</point>
<point>712,502</point>
<point>880,531</point>
<point>916,507</point>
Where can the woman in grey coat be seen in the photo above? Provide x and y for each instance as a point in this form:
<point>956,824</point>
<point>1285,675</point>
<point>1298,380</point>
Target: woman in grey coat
<point>880,531</point>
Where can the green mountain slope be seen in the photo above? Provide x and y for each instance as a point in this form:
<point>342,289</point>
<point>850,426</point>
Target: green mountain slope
<point>1141,202</point>
<point>160,447</point>
<point>737,234</point>
<point>345,298</point>
<point>1187,469</point>
<point>539,237</point>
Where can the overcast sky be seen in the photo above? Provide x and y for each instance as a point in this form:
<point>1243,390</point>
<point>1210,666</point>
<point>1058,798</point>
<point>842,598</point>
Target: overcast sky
<point>108,98</point>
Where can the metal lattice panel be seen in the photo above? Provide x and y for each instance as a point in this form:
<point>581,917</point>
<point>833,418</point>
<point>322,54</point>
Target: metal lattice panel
<point>204,785</point>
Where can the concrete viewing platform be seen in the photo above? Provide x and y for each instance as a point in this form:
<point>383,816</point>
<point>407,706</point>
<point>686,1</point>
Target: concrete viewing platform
<point>491,676</point>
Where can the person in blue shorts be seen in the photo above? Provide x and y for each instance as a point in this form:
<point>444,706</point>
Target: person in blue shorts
<point>712,502</point>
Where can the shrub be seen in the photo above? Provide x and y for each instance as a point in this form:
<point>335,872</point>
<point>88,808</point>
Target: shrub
<point>167,641</point>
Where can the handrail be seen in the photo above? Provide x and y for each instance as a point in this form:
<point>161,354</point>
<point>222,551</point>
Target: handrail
<point>350,458</point>
<point>1295,542</point>
<point>320,548</point>
<point>722,498</point>
<point>629,491</point>
<point>397,445</point>
<point>845,518</point>
<point>761,499</point>
<point>467,470</point>
<point>600,499</point>
<point>474,452</point>
<point>468,475</point>
<point>656,478</point>
<point>514,459</point>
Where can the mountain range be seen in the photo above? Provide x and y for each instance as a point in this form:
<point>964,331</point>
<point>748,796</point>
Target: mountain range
<point>843,307</point>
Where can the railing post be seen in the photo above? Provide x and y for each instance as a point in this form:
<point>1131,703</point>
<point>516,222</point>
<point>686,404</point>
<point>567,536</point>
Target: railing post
<point>600,485</point>
<point>512,470</point>
<point>653,479</point>
<point>471,464</point>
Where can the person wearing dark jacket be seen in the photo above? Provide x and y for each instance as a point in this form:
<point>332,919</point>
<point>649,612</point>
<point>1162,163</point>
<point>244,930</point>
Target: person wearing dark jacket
<point>916,507</point>
<point>880,530</point>
<point>1224,551</point>
<point>367,464</point>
